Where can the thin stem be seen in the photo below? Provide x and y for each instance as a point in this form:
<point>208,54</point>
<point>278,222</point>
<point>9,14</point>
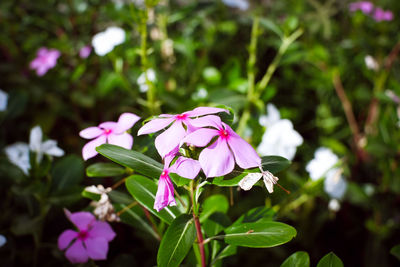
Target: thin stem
<point>131,205</point>
<point>200,240</point>
<point>117,184</point>
<point>180,199</point>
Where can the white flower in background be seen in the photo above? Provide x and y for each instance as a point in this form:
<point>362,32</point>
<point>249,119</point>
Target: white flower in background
<point>334,205</point>
<point>48,147</point>
<point>18,154</point>
<point>3,100</point>
<point>3,240</point>
<point>280,138</point>
<point>371,63</point>
<point>104,210</point>
<point>241,4</point>
<point>335,185</point>
<point>151,76</point>
<point>104,42</point>
<point>324,160</point>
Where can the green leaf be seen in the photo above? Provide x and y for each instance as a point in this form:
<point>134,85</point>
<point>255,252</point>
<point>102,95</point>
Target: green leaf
<point>298,259</point>
<point>330,260</point>
<point>255,215</point>
<point>132,159</point>
<point>227,251</point>
<point>213,204</point>
<point>177,241</point>
<point>67,172</point>
<point>104,170</point>
<point>262,234</point>
<point>227,180</point>
<point>216,223</point>
<point>274,164</point>
<point>144,191</point>
<point>91,195</point>
<point>395,251</point>
<point>269,24</point>
<point>178,180</point>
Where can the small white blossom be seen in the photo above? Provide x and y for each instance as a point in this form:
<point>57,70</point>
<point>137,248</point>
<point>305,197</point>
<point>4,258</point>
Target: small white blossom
<point>335,185</point>
<point>371,63</point>
<point>104,210</point>
<point>3,240</point>
<point>324,160</point>
<point>151,76</point>
<point>104,42</point>
<point>18,154</point>
<point>334,205</point>
<point>241,4</point>
<point>48,147</point>
<point>3,100</point>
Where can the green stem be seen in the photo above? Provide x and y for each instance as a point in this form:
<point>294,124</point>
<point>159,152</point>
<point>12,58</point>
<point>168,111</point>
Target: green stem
<point>195,211</point>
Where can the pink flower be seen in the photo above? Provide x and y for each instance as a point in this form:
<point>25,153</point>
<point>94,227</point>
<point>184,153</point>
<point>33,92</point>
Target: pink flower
<point>45,59</point>
<point>85,51</point>
<point>90,241</point>
<point>170,138</point>
<point>382,15</point>
<point>365,6</point>
<point>109,132</point>
<point>219,158</point>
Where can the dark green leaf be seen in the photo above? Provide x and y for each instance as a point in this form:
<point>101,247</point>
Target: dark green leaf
<point>104,170</point>
<point>178,180</point>
<point>90,195</point>
<point>227,251</point>
<point>256,214</point>
<point>330,260</point>
<point>395,251</point>
<point>213,204</point>
<point>137,161</point>
<point>67,172</point>
<point>274,164</point>
<point>298,259</point>
<point>177,241</point>
<point>144,191</point>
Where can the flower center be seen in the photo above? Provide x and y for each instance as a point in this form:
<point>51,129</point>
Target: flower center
<point>107,131</point>
<point>181,117</point>
<point>164,173</point>
<point>83,235</point>
<point>223,134</point>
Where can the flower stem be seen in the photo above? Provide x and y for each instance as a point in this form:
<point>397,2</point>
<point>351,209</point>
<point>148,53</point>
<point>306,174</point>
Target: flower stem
<point>195,210</point>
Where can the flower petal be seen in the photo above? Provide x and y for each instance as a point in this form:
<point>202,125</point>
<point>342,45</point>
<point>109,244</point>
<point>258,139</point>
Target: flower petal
<point>200,111</point>
<point>82,219</point>
<point>124,140</point>
<point>97,248</point>
<point>155,125</point>
<point>165,194</point>
<point>35,139</point>
<point>217,159</point>
<point>110,125</point>
<point>65,239</point>
<point>50,147</point>
<point>186,167</point>
<point>170,138</point>
<point>76,253</point>
<point>91,132</point>
<point>125,122</point>
<point>200,137</point>
<point>89,150</point>
<point>206,121</point>
<point>249,180</point>
<point>102,229</point>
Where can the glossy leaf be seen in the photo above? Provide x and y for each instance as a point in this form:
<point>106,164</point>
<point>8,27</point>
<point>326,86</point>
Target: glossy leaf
<point>330,260</point>
<point>144,191</point>
<point>67,172</point>
<point>395,251</point>
<point>177,241</point>
<point>297,259</point>
<point>213,204</point>
<point>255,215</point>
<point>274,164</point>
<point>104,170</point>
<point>137,161</point>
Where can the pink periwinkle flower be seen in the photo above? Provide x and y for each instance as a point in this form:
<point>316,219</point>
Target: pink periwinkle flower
<point>45,59</point>
<point>109,132</point>
<point>170,138</point>
<point>90,241</point>
<point>382,15</point>
<point>85,51</point>
<point>365,6</point>
<point>219,158</point>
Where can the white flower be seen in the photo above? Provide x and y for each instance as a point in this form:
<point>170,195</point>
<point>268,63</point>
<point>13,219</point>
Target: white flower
<point>3,240</point>
<point>371,63</point>
<point>3,100</point>
<point>104,210</point>
<point>48,147</point>
<point>334,205</point>
<point>324,160</point>
<point>250,179</point>
<point>104,42</point>
<point>335,185</point>
<point>280,138</point>
<point>18,154</point>
<point>151,76</point>
<point>241,4</point>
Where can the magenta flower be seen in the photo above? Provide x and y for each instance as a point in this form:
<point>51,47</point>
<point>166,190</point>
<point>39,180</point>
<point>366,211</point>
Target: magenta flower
<point>85,51</point>
<point>365,6</point>
<point>109,132</point>
<point>90,241</point>
<point>45,59</point>
<point>219,158</point>
<point>170,138</point>
<point>382,15</point>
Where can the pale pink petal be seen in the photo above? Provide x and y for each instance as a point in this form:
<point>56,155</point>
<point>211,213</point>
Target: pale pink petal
<point>89,150</point>
<point>66,238</point>
<point>42,52</point>
<point>200,111</point>
<point>170,156</point>
<point>41,70</point>
<point>102,229</point>
<point>110,125</point>
<point>206,121</point>
<point>91,132</point>
<point>217,159</point>
<point>165,193</point>
<point>200,137</point>
<point>186,167</point>
<point>82,219</point>
<point>34,64</point>
<point>124,140</point>
<point>77,253</point>
<point>170,139</point>
<point>96,248</point>
<point>155,125</point>
<point>125,122</point>
<point>245,155</point>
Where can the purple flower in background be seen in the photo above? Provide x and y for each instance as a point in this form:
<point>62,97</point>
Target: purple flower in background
<point>365,6</point>
<point>382,15</point>
<point>219,158</point>
<point>85,51</point>
<point>45,59</point>
<point>90,241</point>
<point>170,138</point>
<point>109,132</point>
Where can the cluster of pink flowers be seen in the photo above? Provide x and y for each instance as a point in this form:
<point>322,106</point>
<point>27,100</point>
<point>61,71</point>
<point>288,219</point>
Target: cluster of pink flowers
<point>368,8</point>
<point>45,59</point>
